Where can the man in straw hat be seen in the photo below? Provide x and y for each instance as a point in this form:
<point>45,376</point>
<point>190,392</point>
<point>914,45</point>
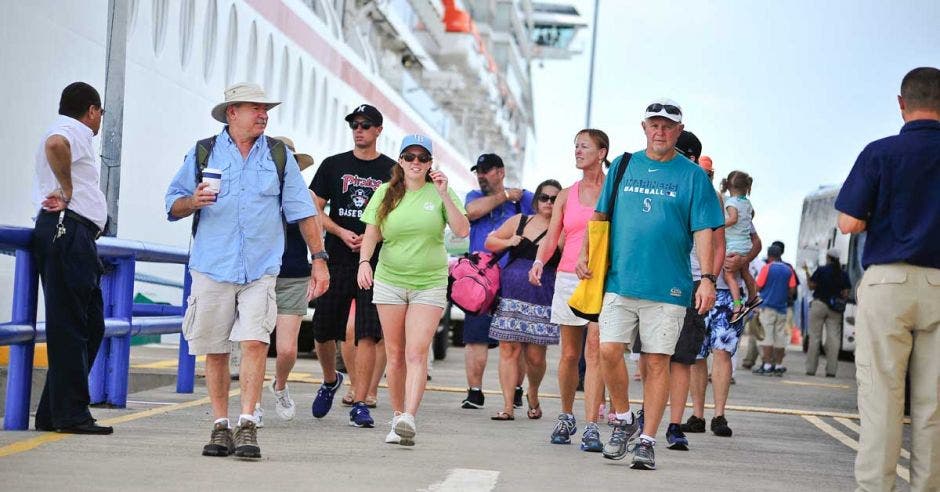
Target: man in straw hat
<point>246,183</point>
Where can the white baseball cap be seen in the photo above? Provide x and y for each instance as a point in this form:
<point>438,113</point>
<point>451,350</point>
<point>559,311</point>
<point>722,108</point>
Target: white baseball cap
<point>667,108</point>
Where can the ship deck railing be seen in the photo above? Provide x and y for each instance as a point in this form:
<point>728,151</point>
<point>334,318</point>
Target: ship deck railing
<point>108,377</point>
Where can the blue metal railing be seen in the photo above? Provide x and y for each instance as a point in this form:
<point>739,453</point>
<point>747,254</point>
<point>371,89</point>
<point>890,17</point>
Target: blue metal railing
<point>107,381</point>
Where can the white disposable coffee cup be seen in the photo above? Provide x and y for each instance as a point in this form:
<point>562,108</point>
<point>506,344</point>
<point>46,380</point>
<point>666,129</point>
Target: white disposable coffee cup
<point>214,179</point>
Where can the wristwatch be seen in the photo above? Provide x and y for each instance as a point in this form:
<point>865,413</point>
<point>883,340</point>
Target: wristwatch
<point>711,276</point>
<point>322,255</point>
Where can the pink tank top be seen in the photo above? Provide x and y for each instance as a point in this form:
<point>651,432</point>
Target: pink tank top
<point>574,225</point>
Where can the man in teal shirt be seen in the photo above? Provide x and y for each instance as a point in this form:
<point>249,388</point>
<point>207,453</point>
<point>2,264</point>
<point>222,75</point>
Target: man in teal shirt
<point>663,201</point>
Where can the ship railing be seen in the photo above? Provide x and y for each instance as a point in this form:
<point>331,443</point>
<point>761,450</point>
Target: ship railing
<point>108,378</point>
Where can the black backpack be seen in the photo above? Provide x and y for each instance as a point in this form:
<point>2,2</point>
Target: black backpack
<point>204,150</point>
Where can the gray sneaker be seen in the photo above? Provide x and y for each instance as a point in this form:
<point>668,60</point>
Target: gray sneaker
<point>246,440</point>
<point>616,448</point>
<point>220,441</point>
<point>643,456</point>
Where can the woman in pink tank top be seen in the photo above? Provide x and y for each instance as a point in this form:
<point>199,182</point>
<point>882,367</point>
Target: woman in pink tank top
<point>573,208</point>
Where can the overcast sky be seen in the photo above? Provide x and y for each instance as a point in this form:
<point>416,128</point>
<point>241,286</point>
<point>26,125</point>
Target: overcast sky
<point>788,91</point>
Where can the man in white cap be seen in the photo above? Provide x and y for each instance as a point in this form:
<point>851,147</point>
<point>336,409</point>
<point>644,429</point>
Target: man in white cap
<point>236,252</point>
<point>661,203</point>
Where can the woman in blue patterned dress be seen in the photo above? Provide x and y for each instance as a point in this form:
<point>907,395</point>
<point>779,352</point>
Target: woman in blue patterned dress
<point>522,321</point>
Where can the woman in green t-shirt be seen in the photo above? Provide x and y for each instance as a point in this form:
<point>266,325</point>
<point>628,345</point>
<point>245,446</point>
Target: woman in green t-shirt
<point>408,214</point>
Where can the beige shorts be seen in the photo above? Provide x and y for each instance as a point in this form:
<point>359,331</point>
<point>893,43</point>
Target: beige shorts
<point>776,334</point>
<point>220,313</point>
<point>391,294</point>
<point>565,283</point>
<point>292,295</point>
<point>659,323</point>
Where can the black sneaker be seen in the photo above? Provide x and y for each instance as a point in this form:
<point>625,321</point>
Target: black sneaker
<point>517,398</point>
<point>246,440</point>
<point>220,441</point>
<point>694,425</point>
<point>474,399</point>
<point>643,456</point>
<point>720,426</point>
<point>676,439</point>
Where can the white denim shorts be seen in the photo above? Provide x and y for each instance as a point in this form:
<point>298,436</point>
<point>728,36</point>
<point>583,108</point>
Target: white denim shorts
<point>220,313</point>
<point>392,294</point>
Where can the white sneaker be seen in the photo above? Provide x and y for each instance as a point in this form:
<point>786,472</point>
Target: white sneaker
<point>393,438</point>
<point>405,428</point>
<point>283,404</point>
<point>258,415</point>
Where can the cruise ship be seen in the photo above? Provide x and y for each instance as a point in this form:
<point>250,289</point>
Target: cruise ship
<point>458,71</point>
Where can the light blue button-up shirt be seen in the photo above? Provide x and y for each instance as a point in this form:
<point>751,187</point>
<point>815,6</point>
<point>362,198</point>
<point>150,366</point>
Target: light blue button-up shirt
<point>240,237</point>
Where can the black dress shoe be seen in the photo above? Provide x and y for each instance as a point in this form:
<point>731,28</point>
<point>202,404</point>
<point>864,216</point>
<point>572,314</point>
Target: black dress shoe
<point>87,428</point>
<point>44,428</point>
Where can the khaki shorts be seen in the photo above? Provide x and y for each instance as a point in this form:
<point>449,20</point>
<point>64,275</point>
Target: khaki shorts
<point>292,295</point>
<point>565,283</point>
<point>220,313</point>
<point>392,294</point>
<point>776,332</point>
<point>659,323</point>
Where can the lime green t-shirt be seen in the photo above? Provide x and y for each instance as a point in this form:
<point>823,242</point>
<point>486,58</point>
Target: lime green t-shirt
<point>413,254</point>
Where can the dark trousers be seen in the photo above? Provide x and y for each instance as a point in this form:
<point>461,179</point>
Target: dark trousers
<point>71,275</point>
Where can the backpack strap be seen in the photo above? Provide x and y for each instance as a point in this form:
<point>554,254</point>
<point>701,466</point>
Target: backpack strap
<point>279,156</point>
<point>523,220</point>
<point>203,151</point>
<point>624,161</point>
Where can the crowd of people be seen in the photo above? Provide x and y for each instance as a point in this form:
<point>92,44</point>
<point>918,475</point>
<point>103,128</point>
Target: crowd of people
<point>677,288</point>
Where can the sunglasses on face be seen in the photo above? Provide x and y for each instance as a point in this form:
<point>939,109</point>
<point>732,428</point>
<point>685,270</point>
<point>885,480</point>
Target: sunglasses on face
<point>365,125</point>
<point>547,198</point>
<point>422,158</point>
<point>656,107</point>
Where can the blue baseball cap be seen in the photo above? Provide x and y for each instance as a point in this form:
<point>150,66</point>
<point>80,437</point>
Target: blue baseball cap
<point>415,139</point>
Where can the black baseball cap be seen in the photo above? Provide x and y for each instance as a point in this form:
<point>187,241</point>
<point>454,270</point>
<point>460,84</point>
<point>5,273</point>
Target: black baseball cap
<point>689,145</point>
<point>486,162</point>
<point>366,111</point>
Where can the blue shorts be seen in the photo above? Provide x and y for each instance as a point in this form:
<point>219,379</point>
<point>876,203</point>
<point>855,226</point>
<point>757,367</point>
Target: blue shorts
<point>720,334</point>
<point>476,329</point>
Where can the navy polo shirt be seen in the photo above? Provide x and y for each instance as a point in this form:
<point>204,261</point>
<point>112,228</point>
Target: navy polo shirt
<point>893,187</point>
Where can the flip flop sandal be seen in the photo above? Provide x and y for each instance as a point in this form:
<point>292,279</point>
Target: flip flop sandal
<point>503,416</point>
<point>372,401</point>
<point>535,412</point>
<point>349,399</point>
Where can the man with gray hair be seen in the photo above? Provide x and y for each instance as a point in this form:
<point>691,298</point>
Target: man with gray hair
<point>241,185</point>
<point>891,193</point>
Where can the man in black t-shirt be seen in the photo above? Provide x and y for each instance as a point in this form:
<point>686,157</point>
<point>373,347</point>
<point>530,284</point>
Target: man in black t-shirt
<point>346,182</point>
<point>830,285</point>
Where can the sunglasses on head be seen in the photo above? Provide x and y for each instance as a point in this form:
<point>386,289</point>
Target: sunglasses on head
<point>547,198</point>
<point>423,158</point>
<point>656,107</point>
<point>365,125</point>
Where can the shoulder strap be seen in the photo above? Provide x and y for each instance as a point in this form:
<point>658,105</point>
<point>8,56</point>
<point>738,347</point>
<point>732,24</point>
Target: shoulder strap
<point>203,151</point>
<point>523,220</point>
<point>624,161</point>
<point>279,156</point>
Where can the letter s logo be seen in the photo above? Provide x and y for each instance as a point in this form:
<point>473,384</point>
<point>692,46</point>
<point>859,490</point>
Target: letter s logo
<point>647,204</point>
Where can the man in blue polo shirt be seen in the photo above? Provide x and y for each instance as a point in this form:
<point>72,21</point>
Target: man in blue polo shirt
<point>487,209</point>
<point>663,201</point>
<point>891,193</point>
<point>777,283</point>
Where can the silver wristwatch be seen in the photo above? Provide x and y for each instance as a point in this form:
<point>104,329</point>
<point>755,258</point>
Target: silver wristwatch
<point>322,255</point>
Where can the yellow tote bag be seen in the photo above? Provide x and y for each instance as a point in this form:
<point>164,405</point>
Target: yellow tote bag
<point>588,296</point>
<point>586,300</point>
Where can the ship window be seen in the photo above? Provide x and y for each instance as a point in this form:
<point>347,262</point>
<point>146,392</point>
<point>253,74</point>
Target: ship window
<point>187,22</point>
<point>269,64</point>
<point>285,78</point>
<point>159,25</point>
<point>252,53</point>
<point>324,98</point>
<point>334,116</point>
<point>298,92</point>
<point>313,101</point>
<point>208,42</point>
<point>231,46</point>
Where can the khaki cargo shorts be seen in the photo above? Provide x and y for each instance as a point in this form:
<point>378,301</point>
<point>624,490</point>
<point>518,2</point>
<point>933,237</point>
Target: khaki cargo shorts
<point>220,313</point>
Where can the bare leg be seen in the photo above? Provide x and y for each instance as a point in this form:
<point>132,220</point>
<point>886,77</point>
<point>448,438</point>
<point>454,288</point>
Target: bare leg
<point>731,278</point>
<point>509,354</point>
<point>521,371</point>
<point>475,355</point>
<point>679,381</point>
<point>571,344</point>
<point>326,354</point>
<point>721,379</point>
<point>288,326</point>
<point>365,366</point>
<point>251,373</point>
<point>698,385</point>
<point>655,391</point>
<point>593,380</point>
<point>749,283</point>
<point>379,368</point>
<point>778,356</point>
<point>218,381</point>
<point>420,326</point>
<point>392,317</point>
<point>614,370</point>
<point>348,347</point>
<point>535,366</point>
